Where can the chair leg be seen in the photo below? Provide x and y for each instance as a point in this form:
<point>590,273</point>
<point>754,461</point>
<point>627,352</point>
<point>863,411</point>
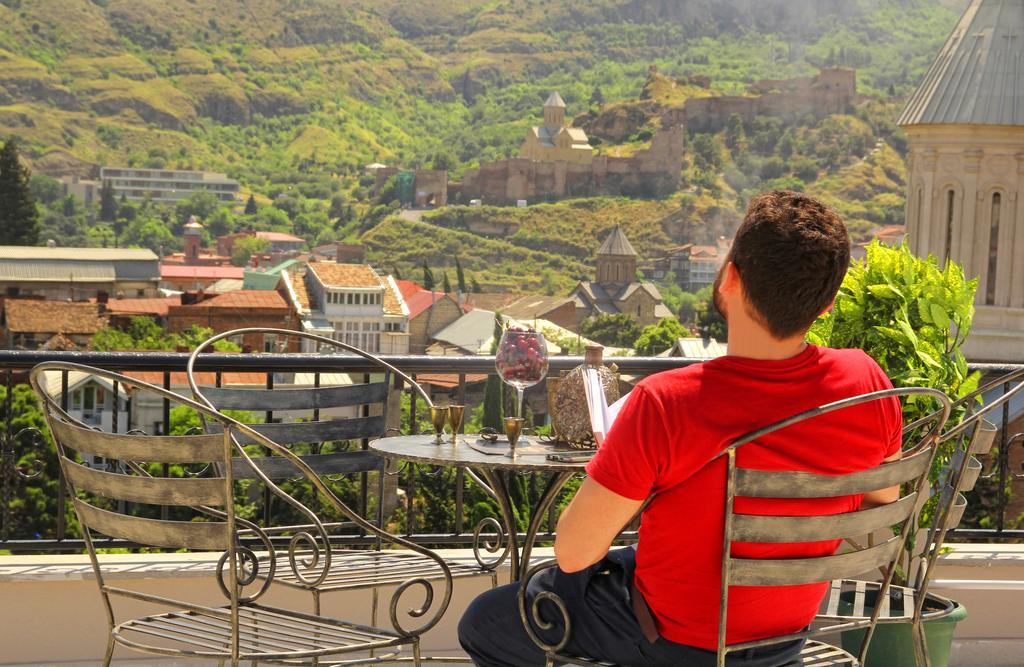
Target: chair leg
<point>494,579</point>
<point>316,611</point>
<point>110,651</point>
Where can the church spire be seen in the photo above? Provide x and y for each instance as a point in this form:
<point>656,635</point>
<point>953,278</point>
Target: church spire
<point>554,111</point>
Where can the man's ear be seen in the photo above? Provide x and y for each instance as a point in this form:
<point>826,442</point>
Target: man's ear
<point>730,278</point>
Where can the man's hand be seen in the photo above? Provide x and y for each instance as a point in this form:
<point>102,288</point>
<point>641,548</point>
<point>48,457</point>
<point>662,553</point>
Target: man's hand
<point>589,524</point>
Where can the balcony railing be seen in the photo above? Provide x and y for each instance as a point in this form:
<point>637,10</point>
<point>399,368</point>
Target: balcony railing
<point>990,520</point>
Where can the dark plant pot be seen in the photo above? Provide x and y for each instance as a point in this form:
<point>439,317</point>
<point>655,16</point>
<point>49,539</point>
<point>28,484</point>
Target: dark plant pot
<point>892,644</point>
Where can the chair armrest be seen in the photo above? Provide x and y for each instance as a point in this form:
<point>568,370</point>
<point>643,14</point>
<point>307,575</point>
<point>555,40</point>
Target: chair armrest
<point>531,617</point>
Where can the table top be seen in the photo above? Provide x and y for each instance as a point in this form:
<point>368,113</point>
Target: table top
<point>421,449</point>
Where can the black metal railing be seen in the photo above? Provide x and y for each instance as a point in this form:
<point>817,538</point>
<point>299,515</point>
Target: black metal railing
<point>20,477</point>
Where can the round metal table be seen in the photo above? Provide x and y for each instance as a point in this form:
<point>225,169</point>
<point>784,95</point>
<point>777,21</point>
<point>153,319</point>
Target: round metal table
<point>486,470</point>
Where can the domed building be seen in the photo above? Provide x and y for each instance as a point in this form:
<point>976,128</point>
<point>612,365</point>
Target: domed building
<point>965,131</point>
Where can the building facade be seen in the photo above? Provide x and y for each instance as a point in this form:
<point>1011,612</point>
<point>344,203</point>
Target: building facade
<point>350,303</point>
<point>555,141</point>
<point>167,185</point>
<point>616,289</point>
<point>238,310</point>
<point>31,324</point>
<point>965,132</point>
<point>78,274</point>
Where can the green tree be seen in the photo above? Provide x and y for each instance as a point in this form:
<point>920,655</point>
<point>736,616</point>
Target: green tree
<point>19,217</point>
<point>108,202</point>
<point>710,322</point>
<point>443,160</point>
<point>618,330</point>
<point>460,276</point>
<point>250,205</point>
<point>475,285</point>
<point>148,231</point>
<point>492,410</point>
<point>706,155</point>
<point>247,246</point>
<point>201,204</point>
<point>659,337</point>
<point>735,137</point>
<point>428,277</point>
<point>445,283</point>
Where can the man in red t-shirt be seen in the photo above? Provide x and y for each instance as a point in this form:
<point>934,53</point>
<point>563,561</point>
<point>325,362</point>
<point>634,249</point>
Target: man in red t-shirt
<point>657,603</point>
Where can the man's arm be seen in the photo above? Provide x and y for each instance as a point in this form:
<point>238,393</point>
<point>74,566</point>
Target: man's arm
<point>589,524</point>
<point>882,496</point>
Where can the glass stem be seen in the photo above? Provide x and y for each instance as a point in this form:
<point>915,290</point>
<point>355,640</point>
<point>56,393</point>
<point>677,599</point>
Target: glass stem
<point>519,401</point>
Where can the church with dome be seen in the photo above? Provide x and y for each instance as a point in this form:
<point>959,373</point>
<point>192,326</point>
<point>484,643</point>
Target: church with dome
<point>965,133</point>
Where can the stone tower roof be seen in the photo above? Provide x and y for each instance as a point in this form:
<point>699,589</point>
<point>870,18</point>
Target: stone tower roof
<point>978,76</point>
<point>554,100</point>
<point>616,244</point>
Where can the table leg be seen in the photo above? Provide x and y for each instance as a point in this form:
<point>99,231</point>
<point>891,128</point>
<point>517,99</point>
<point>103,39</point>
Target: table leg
<point>554,485</point>
<point>519,555</point>
<point>497,483</point>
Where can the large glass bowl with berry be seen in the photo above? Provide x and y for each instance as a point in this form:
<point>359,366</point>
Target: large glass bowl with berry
<point>521,360</point>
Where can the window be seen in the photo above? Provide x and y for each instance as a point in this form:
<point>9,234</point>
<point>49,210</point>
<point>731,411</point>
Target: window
<point>950,202</point>
<point>993,250</point>
<point>269,342</point>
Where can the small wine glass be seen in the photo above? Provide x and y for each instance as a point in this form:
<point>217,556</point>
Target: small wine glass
<point>455,416</point>
<point>438,417</point>
<point>521,360</point>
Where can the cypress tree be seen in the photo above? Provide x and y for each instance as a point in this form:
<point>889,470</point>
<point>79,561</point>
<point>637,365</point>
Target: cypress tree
<point>460,276</point>
<point>491,417</point>
<point>108,202</point>
<point>19,217</point>
<point>428,277</point>
<point>250,206</point>
<point>446,285</point>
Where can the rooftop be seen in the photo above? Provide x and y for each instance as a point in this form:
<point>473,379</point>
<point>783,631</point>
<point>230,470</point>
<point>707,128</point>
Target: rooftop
<point>30,316</point>
<point>155,306</point>
<point>616,243</point>
<point>77,254</point>
<point>202,272</point>
<point>333,274</point>
<point>978,76</point>
<point>245,299</point>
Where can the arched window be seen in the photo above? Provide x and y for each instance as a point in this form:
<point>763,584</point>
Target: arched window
<point>993,250</point>
<point>950,202</point>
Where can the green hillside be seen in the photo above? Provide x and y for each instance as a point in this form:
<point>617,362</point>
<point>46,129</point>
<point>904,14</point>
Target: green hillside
<point>293,97</point>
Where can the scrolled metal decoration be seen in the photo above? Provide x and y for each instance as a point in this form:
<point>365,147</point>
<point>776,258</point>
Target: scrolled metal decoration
<point>491,547</point>
<point>308,561</point>
<point>247,571</point>
<point>36,465</point>
<point>534,618</point>
<point>413,612</point>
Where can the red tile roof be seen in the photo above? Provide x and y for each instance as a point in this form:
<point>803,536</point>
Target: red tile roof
<point>419,302</point>
<point>279,236</point>
<point>30,316</point>
<point>298,282</point>
<point>202,272</point>
<point>448,381</point>
<point>156,307</point>
<point>408,288</point>
<point>246,299</point>
<point>392,299</point>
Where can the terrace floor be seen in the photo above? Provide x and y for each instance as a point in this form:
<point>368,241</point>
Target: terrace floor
<point>51,613</point>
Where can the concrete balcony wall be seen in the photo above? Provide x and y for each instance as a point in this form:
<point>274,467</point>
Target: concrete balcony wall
<point>51,613</point>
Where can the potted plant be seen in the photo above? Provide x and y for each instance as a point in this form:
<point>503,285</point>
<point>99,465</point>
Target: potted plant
<point>911,316</point>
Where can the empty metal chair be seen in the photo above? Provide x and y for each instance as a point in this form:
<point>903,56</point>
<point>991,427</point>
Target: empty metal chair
<point>910,472</point>
<point>197,511</point>
<point>367,405</point>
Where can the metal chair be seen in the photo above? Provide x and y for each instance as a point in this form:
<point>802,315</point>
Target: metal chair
<point>973,436</point>
<point>910,472</point>
<point>126,502</point>
<point>350,569</point>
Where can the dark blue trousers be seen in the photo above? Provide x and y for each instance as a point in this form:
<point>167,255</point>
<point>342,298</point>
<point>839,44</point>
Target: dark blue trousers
<point>604,626</point>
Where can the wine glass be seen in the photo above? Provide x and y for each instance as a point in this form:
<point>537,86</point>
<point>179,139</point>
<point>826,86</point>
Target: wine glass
<point>521,360</point>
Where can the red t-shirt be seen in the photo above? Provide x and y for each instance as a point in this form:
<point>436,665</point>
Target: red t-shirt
<point>676,422</point>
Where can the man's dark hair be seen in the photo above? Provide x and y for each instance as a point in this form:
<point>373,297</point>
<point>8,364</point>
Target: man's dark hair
<point>791,253</point>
